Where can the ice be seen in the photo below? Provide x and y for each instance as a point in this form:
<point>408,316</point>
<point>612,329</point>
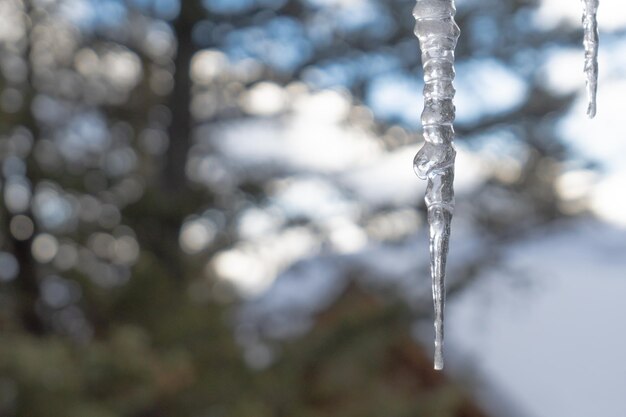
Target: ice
<point>438,34</point>
<point>590,42</point>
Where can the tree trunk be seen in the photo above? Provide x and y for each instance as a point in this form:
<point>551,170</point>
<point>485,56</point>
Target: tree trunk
<point>173,194</point>
<point>27,281</point>
<point>174,178</point>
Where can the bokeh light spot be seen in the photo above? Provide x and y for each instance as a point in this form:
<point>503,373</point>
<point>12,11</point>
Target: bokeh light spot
<point>45,247</point>
<point>9,268</point>
<point>21,227</point>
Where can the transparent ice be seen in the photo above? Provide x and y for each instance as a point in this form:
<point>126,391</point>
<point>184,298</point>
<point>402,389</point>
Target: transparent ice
<point>438,34</point>
<point>590,42</point>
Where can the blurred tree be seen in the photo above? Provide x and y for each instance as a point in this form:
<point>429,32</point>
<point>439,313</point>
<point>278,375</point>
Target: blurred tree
<point>360,360</point>
<point>119,201</point>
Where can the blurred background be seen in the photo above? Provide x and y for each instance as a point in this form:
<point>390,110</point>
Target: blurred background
<point>209,210</point>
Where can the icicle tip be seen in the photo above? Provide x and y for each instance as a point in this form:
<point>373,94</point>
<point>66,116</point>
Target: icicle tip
<point>591,110</point>
<point>438,358</point>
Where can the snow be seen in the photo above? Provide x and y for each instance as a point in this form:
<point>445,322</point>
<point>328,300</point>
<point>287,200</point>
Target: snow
<point>392,96</point>
<point>602,140</point>
<point>549,338</point>
<point>556,70</point>
<point>486,87</point>
<point>389,180</point>
<point>313,138</point>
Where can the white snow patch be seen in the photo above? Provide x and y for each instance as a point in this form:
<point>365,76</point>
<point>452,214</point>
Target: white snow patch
<point>485,87</point>
<point>602,139</point>
<point>302,143</point>
<point>548,336</point>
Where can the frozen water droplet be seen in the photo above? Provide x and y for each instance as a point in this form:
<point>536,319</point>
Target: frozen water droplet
<point>590,42</point>
<point>438,34</point>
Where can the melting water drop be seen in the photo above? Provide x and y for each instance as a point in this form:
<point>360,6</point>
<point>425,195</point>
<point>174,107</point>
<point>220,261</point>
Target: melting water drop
<point>438,34</point>
<point>590,42</point>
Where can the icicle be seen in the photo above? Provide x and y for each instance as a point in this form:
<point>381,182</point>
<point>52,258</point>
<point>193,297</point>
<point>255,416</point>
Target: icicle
<point>438,34</point>
<point>590,27</point>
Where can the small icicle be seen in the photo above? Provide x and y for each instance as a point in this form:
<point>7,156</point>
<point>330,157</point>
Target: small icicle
<point>590,27</point>
<point>438,34</point>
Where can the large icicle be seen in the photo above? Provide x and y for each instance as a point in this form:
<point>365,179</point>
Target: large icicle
<point>438,34</point>
<point>590,27</point>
